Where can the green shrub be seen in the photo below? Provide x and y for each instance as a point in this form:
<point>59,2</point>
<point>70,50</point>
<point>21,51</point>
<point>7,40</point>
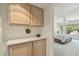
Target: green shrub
<point>71,28</point>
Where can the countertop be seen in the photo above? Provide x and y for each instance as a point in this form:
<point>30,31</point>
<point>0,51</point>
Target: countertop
<point>18,41</point>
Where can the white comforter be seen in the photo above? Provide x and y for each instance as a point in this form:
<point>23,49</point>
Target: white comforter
<point>69,49</point>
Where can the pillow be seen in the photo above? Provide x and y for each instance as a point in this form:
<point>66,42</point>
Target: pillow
<point>60,37</point>
<point>67,40</point>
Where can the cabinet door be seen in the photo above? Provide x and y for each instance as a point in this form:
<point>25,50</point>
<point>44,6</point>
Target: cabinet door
<point>21,50</point>
<point>36,16</point>
<point>39,48</point>
<point>19,13</point>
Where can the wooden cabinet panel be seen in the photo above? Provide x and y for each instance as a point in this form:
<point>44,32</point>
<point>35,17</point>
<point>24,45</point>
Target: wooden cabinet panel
<point>36,16</point>
<point>21,50</point>
<point>24,13</point>
<point>39,48</point>
<point>35,48</point>
<point>20,13</point>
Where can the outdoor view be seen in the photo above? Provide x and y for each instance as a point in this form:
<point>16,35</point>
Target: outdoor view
<point>69,28</point>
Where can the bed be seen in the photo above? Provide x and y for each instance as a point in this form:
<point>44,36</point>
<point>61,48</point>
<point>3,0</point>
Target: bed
<point>68,49</point>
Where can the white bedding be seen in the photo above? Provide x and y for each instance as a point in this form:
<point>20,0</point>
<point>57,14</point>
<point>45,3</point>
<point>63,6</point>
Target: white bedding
<point>69,49</point>
<point>62,37</point>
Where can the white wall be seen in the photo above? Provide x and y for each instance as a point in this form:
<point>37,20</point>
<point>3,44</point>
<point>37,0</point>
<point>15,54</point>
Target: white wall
<point>57,20</point>
<point>0,33</point>
<point>48,29</point>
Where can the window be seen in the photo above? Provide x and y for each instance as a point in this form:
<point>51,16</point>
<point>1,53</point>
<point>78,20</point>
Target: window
<point>71,28</point>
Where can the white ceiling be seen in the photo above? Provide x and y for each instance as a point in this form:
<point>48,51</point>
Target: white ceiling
<point>64,9</point>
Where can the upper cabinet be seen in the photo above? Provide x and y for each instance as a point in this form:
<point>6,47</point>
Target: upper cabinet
<point>27,14</point>
<point>20,14</point>
<point>36,16</point>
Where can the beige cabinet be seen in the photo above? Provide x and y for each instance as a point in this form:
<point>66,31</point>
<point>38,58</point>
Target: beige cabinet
<point>20,14</point>
<point>39,48</point>
<point>36,16</point>
<point>34,48</point>
<point>27,14</point>
<point>20,49</point>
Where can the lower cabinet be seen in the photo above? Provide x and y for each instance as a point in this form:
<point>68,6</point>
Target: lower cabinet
<point>21,49</point>
<point>35,48</point>
<point>39,48</point>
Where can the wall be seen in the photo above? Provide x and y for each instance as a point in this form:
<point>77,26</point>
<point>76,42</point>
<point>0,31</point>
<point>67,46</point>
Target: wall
<point>14,31</point>
<point>0,32</point>
<point>49,28</point>
<point>57,20</point>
